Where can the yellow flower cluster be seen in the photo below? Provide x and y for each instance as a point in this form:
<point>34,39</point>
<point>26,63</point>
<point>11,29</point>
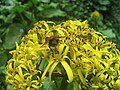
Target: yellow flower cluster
<point>71,47</point>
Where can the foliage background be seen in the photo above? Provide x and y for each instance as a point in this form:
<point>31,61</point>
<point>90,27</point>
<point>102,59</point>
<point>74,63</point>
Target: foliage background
<point>18,16</point>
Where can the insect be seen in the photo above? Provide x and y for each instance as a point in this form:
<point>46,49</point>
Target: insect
<point>53,41</point>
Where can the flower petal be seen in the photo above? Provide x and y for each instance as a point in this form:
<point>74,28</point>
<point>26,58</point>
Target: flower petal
<point>68,71</point>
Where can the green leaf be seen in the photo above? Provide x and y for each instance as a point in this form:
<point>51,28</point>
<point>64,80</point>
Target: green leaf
<point>40,8</point>
<point>9,18</point>
<point>13,35</point>
<point>2,31</point>
<point>45,1</point>
<point>43,64</point>
<point>58,82</point>
<point>52,12</point>
<point>3,59</point>
<point>2,17</point>
<point>109,33</point>
<point>2,69</point>
<point>64,83</point>
<point>11,2</point>
<point>18,8</point>
<point>103,8</point>
<point>104,2</point>
<point>48,85</point>
<point>54,5</point>
<point>72,86</point>
<point>8,8</point>
<point>28,15</point>
<point>34,1</point>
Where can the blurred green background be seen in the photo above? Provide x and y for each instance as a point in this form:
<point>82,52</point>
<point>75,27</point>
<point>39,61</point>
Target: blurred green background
<point>18,16</point>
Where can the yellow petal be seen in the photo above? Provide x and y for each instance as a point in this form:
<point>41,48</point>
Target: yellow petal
<point>17,77</point>
<point>87,46</point>
<point>66,57</point>
<point>60,32</point>
<point>116,67</point>
<point>45,71</point>
<point>117,84</point>
<point>72,53</point>
<point>9,67</point>
<point>28,88</point>
<point>52,68</point>
<point>23,66</point>
<point>20,72</point>
<point>94,86</point>
<point>61,47</point>
<point>66,50</point>
<point>35,86</point>
<point>83,80</point>
<point>68,71</point>
<point>51,22</point>
<point>35,38</point>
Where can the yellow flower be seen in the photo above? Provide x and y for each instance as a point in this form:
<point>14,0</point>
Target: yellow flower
<point>95,14</point>
<point>80,52</point>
